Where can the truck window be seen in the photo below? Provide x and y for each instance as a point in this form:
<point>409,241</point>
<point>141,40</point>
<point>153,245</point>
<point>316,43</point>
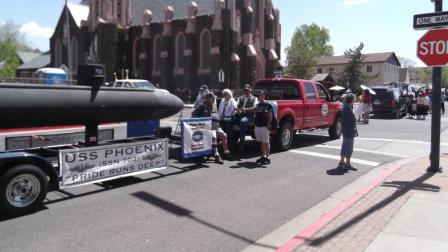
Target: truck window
<point>128,85</point>
<point>323,95</point>
<point>279,90</point>
<point>118,84</point>
<point>309,90</point>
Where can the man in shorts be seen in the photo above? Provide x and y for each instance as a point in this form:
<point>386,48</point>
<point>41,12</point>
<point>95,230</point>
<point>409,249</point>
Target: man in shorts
<point>263,123</point>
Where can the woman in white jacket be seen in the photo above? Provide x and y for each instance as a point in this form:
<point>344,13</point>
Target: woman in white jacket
<point>422,106</point>
<point>226,112</point>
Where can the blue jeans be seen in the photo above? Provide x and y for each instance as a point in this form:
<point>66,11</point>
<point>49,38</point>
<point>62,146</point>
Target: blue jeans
<point>228,128</point>
<point>246,119</point>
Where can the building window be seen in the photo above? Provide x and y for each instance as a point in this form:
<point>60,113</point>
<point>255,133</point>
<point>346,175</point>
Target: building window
<point>255,15</point>
<point>331,70</point>
<point>97,9</point>
<point>205,46</point>
<point>369,69</point>
<point>135,56</point>
<point>58,53</point>
<point>180,49</point>
<point>74,55</point>
<point>157,50</point>
<point>319,70</point>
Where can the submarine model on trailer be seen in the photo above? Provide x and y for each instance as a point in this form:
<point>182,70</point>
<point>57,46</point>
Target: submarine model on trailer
<point>88,103</point>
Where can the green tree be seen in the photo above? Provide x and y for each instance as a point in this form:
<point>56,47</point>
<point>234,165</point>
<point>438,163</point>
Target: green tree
<point>353,75</point>
<point>9,60</point>
<point>308,43</point>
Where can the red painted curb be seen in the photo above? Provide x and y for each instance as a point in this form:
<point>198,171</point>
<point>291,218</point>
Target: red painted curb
<point>312,229</point>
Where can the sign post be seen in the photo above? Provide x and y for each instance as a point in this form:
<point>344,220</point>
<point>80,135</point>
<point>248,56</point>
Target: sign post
<point>432,49</point>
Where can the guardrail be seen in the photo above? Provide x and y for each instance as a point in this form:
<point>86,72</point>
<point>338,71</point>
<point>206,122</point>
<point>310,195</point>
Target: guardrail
<point>35,81</point>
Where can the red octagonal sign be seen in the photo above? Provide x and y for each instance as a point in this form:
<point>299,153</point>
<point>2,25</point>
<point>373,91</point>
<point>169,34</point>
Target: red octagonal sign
<point>432,48</point>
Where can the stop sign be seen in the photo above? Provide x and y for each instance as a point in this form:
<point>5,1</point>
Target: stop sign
<point>432,48</point>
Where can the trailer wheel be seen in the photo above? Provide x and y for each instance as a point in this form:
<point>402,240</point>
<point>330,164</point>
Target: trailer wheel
<point>22,189</point>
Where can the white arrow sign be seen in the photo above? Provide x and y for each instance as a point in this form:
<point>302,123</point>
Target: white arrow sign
<point>221,75</point>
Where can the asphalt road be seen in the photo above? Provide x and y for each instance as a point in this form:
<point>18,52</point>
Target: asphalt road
<point>209,207</point>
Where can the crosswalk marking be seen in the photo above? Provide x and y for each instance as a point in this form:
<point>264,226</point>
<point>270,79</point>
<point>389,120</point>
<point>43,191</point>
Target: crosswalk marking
<point>335,157</point>
<point>364,150</point>
<point>397,140</point>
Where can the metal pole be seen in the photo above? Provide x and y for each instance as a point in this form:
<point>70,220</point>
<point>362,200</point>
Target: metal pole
<point>67,28</point>
<point>435,119</point>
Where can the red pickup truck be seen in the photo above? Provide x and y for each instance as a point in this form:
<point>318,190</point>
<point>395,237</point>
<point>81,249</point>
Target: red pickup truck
<point>301,105</point>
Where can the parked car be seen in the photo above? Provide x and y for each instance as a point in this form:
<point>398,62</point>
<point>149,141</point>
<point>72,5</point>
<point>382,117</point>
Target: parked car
<point>300,105</point>
<point>389,101</point>
<point>133,83</point>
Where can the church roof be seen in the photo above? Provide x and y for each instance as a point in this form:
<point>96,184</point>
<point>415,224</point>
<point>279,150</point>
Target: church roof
<point>157,7</point>
<point>41,61</point>
<point>79,12</point>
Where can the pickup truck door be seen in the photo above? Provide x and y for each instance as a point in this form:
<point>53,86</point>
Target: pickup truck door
<point>327,111</point>
<point>312,106</point>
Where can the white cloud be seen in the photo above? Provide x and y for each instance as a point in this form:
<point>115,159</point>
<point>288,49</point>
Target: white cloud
<point>34,30</point>
<point>354,2</point>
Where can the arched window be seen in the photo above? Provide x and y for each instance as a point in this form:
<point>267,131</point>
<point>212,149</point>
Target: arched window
<point>205,46</point>
<point>180,49</point>
<point>107,7</point>
<point>157,50</point>
<point>256,15</point>
<point>58,53</point>
<point>74,55</point>
<point>136,56</point>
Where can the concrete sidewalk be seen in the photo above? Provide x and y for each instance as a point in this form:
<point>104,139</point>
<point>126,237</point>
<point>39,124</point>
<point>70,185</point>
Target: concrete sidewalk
<point>407,212</point>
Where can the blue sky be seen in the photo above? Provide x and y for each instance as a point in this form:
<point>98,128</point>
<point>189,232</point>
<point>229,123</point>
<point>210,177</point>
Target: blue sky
<point>383,25</point>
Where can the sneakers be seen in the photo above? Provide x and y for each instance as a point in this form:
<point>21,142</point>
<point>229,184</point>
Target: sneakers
<point>341,165</point>
<point>349,167</point>
<point>228,156</point>
<point>263,160</point>
<point>218,160</point>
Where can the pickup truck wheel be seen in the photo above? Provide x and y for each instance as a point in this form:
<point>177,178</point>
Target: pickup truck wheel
<point>22,189</point>
<point>283,138</point>
<point>335,131</point>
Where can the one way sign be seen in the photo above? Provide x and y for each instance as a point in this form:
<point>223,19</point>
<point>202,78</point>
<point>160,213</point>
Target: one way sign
<point>431,20</point>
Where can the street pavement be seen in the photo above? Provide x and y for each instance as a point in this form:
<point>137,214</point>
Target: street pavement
<point>210,207</point>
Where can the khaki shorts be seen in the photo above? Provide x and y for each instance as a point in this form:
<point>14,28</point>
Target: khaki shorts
<point>262,134</point>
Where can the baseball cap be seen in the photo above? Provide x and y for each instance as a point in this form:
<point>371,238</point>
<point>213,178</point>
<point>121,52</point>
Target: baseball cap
<point>204,87</point>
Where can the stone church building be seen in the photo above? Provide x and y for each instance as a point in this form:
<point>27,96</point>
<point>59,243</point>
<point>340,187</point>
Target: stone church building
<point>178,44</point>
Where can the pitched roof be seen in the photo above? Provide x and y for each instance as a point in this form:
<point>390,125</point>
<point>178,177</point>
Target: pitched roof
<point>41,61</point>
<point>320,77</point>
<point>27,56</point>
<point>368,58</point>
<point>157,7</point>
<point>79,12</point>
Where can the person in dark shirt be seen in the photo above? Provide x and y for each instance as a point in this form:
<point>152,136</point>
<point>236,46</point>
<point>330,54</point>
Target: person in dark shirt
<point>263,124</point>
<point>349,132</point>
<point>244,113</point>
<point>206,110</point>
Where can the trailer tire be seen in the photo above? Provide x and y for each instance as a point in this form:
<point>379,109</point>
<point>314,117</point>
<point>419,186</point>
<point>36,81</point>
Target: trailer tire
<point>22,189</point>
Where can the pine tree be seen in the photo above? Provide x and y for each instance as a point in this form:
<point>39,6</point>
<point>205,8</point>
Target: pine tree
<point>353,76</point>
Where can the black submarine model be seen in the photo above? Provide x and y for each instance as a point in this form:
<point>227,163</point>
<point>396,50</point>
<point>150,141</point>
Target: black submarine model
<point>89,103</point>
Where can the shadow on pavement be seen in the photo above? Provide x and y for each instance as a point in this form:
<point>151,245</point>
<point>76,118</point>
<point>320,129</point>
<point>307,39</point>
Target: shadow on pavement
<point>247,165</point>
<point>403,187</point>
<point>183,212</point>
<point>338,171</point>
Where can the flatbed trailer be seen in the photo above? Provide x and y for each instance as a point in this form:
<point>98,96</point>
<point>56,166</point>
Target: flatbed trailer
<point>27,175</point>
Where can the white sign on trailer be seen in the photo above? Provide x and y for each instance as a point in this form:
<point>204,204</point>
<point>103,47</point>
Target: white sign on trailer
<point>101,163</point>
